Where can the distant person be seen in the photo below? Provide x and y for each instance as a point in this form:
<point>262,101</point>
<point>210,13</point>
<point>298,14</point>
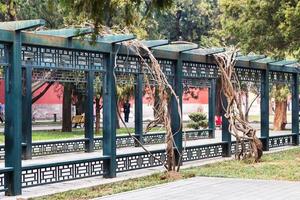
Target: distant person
<point>1,113</point>
<point>126,110</point>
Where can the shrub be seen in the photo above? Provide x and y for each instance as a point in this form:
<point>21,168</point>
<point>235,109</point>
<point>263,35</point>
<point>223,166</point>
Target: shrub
<point>198,120</point>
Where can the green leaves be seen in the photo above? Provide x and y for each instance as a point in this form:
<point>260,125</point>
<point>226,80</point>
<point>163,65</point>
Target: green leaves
<point>262,26</point>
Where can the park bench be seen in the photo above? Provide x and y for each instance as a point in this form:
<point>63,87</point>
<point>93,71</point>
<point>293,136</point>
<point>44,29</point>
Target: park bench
<point>78,120</point>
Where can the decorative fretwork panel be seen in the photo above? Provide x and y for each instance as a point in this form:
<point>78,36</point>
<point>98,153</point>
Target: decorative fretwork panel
<point>125,79</point>
<point>78,145</point>
<point>202,152</point>
<point>168,67</point>
<point>3,55</point>
<point>127,64</point>
<point>52,173</point>
<point>44,57</point>
<point>125,141</point>
<point>199,70</point>
<point>233,146</point>
<point>2,152</point>
<point>199,83</point>
<point>55,147</point>
<point>58,76</point>
<point>2,188</point>
<point>157,138</point>
<point>252,75</point>
<point>280,77</point>
<point>279,141</point>
<point>140,160</point>
<point>98,143</point>
<point>197,134</point>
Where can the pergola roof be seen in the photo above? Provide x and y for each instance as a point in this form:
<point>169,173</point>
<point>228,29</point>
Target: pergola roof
<point>161,48</point>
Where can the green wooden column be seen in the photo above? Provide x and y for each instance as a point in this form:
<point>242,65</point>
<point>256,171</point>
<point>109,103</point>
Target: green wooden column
<point>89,112</point>
<point>13,118</point>
<point>109,117</point>
<point>295,108</point>
<point>176,125</point>
<point>27,115</point>
<point>138,108</point>
<point>212,107</point>
<point>226,136</point>
<point>264,109</point>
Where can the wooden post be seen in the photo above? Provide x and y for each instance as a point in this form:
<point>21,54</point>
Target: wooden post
<point>264,109</point>
<point>109,117</point>
<point>138,108</point>
<point>27,116</point>
<point>89,113</point>
<point>176,125</point>
<point>13,118</point>
<point>212,108</point>
<point>295,109</point>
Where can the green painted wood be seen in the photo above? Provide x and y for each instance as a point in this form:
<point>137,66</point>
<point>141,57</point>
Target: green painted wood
<point>264,109</point>
<point>89,112</point>
<point>109,117</point>
<point>138,110</point>
<point>176,47</point>
<point>27,115</point>
<point>21,24</point>
<point>226,136</point>
<point>295,108</point>
<point>112,39</point>
<point>66,32</point>
<point>175,113</point>
<point>212,107</point>
<point>154,43</point>
<point>13,118</point>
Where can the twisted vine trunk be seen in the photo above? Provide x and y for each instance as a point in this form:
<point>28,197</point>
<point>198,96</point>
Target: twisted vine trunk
<point>238,126</point>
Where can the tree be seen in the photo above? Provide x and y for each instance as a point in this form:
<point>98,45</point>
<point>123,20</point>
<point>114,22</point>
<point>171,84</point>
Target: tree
<point>112,13</point>
<point>264,27</point>
<point>189,20</point>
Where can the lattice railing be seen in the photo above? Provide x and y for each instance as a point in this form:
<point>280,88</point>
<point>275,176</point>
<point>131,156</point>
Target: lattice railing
<point>63,171</point>
<point>77,145</point>
<point>202,152</point>
<point>126,162</point>
<point>279,141</point>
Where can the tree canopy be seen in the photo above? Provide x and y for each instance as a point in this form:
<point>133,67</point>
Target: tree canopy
<point>262,26</point>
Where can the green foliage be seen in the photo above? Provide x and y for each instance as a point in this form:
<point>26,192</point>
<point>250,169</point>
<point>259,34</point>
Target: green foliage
<point>189,20</point>
<point>49,10</point>
<point>280,92</point>
<point>113,13</point>
<point>262,26</point>
<point>199,120</point>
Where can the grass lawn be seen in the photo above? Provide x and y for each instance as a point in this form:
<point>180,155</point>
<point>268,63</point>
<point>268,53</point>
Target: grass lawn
<point>276,166</point>
<point>76,133</point>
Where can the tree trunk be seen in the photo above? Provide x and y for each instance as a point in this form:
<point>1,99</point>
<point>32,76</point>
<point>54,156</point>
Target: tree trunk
<point>280,118</point>
<point>98,116</point>
<point>67,102</point>
<point>219,108</point>
<point>80,104</point>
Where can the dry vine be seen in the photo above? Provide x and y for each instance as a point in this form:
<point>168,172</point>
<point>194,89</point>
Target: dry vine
<point>154,72</point>
<point>238,126</point>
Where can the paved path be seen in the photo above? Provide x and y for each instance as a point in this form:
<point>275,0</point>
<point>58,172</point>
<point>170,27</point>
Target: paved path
<point>205,188</point>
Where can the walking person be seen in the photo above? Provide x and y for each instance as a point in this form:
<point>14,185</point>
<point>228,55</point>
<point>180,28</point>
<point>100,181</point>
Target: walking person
<point>126,110</point>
